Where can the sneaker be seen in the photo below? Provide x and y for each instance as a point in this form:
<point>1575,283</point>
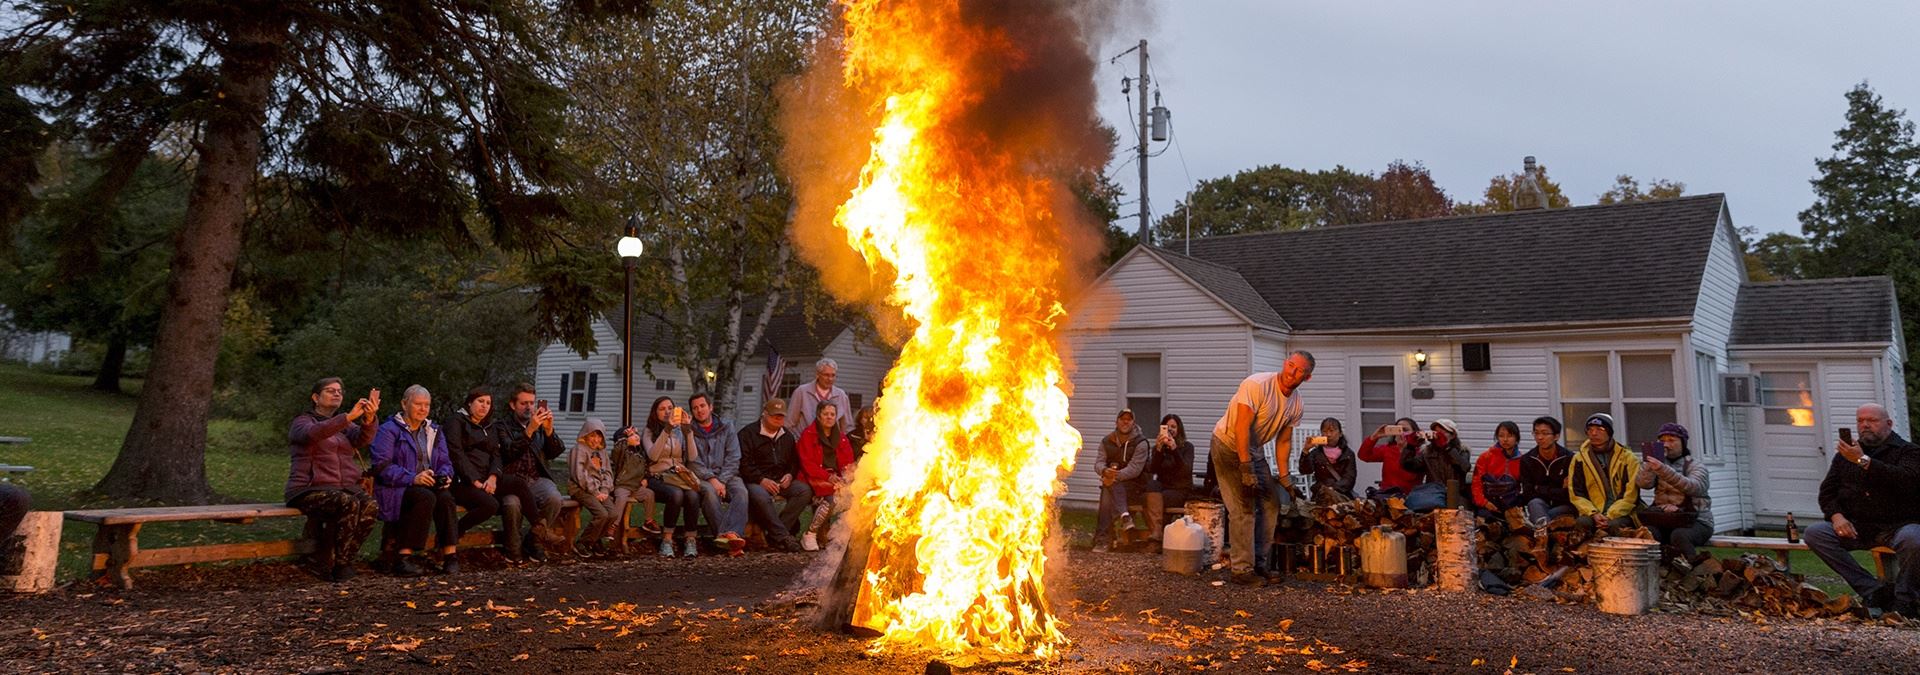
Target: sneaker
<point>691,549</point>
<point>808,542</point>
<point>343,573</point>
<point>583,549</point>
<point>650,527</point>
<point>1249,579</point>
<point>736,546</point>
<point>666,548</point>
<point>1102,547</point>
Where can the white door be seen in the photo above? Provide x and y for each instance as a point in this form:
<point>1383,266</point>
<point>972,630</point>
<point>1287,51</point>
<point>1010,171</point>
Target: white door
<point>1791,454</point>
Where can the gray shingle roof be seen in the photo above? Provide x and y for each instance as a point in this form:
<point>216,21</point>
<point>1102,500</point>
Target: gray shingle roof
<point>1815,311</point>
<point>1228,285</point>
<point>1640,260</point>
<point>788,331</point>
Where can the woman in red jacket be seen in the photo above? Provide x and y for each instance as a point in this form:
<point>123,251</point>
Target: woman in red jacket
<point>1496,477</point>
<point>1383,447</point>
<point>823,469</point>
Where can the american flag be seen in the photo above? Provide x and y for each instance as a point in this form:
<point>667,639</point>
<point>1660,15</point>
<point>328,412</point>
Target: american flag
<point>776,371</point>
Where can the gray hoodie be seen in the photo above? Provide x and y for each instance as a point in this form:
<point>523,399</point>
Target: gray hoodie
<point>591,470</point>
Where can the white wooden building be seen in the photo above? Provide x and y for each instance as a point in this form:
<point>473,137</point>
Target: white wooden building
<point>579,388</point>
<point>1642,310</point>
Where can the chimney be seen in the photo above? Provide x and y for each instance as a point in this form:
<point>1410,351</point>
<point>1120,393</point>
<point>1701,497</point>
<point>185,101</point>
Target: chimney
<point>1527,194</point>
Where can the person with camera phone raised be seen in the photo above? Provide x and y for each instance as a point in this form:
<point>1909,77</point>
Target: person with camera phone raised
<point>1681,516</point>
<point>670,450</point>
<point>412,477</point>
<point>1869,499</point>
<point>1383,447</point>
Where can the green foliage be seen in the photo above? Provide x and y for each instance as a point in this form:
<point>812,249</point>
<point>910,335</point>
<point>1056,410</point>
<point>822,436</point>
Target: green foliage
<point>1776,256</point>
<point>1275,198</point>
<point>1627,189</point>
<point>1865,218</point>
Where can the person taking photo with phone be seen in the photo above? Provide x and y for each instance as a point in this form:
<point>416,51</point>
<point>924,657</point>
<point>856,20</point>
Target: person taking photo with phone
<point>531,444</point>
<point>412,477</point>
<point>1869,498</point>
<point>1169,476</point>
<point>670,477</point>
<point>323,480</point>
<point>1331,464</point>
<point>1681,517</point>
<point>1383,447</point>
<point>1442,463</point>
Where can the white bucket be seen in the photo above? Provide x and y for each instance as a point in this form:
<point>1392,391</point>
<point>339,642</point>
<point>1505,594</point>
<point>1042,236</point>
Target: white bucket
<point>1626,574</point>
<point>1211,516</point>
<point>1182,544</point>
<point>1456,550</point>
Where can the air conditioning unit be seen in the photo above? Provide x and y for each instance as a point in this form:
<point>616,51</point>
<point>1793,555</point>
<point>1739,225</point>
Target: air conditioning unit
<point>1742,389</point>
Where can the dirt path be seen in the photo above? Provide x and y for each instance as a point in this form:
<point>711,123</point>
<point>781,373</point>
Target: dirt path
<point>648,615</point>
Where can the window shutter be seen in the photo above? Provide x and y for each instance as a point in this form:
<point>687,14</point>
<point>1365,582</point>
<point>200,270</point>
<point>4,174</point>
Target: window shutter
<point>562,398</point>
<point>593,389</point>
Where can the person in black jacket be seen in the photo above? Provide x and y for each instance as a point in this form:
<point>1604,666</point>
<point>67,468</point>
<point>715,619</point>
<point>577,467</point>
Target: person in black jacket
<point>1543,474</point>
<point>480,482</point>
<point>1871,497</point>
<point>1442,461</point>
<point>530,444</point>
<point>1169,476</point>
<point>769,462</point>
<point>1332,465</point>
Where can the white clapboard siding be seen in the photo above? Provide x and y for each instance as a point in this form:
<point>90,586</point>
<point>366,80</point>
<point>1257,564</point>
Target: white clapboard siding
<point>555,358</point>
<point>1719,291</point>
<point>1201,367</point>
<point>1894,386</point>
<point>1729,472</point>
<point>1140,291</point>
<point>1847,384</point>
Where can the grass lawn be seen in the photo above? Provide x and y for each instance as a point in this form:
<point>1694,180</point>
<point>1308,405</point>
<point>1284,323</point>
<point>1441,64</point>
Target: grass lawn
<point>77,431</point>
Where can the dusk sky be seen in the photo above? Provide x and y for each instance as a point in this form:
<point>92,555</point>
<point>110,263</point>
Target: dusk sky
<point>1733,97</point>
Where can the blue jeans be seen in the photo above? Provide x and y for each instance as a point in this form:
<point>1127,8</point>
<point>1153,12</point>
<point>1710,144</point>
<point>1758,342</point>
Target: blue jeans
<point>1113,506</point>
<point>682,505</point>
<point>1836,552</point>
<point>1427,497</point>
<point>730,516</point>
<point>1244,507</point>
<point>779,525</point>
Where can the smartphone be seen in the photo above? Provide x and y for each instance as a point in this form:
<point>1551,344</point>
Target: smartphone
<point>1846,435</point>
<point>542,404</point>
<point>1317,440</point>
<point>1163,429</point>
<point>1654,450</point>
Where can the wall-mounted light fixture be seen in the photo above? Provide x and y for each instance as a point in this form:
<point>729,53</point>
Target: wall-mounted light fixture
<point>1420,358</point>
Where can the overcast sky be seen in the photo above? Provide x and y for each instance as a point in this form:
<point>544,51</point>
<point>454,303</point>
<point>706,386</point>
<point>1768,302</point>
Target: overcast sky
<point>1733,97</point>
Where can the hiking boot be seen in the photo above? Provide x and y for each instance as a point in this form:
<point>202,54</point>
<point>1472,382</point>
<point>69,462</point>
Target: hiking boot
<point>809,542</point>
<point>342,573</point>
<point>451,565</point>
<point>320,569</point>
<point>789,545</point>
<point>1881,598</point>
<point>1249,579</point>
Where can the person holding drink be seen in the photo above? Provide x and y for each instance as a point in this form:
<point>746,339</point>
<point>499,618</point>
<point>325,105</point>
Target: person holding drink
<point>1123,466</point>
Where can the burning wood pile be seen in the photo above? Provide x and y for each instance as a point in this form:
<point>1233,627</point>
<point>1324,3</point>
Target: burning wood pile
<point>1550,563</point>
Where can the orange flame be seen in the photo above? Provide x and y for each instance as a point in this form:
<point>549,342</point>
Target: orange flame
<point>957,212</point>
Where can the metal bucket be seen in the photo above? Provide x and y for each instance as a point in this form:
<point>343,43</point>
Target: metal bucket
<point>1626,574</point>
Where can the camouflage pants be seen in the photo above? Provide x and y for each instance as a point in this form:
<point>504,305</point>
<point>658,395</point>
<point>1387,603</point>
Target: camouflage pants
<point>341,519</point>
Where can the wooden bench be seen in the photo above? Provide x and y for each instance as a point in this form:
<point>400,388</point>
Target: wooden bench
<point>15,440</point>
<point>1883,559</point>
<point>116,544</point>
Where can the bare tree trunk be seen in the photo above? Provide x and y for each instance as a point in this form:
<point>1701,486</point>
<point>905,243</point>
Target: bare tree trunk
<point>112,365</point>
<point>164,455</point>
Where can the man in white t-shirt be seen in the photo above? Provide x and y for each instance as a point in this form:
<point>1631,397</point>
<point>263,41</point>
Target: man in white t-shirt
<point>1262,411</point>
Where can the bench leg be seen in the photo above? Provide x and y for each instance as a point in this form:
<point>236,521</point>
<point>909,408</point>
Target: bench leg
<point>120,543</point>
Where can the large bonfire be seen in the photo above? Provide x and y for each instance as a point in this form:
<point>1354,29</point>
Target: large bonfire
<point>966,115</point>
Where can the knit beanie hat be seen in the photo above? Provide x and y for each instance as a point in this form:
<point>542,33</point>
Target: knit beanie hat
<point>1672,429</point>
<point>1603,421</point>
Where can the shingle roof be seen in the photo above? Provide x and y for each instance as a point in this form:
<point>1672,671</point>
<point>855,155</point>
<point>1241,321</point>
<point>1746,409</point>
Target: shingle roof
<point>1228,285</point>
<point>1641,260</point>
<point>1816,311</point>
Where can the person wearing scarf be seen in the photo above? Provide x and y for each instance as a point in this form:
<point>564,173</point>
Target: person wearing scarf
<point>1496,476</point>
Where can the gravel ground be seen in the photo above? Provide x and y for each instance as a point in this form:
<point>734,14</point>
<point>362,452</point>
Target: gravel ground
<point>652,615</point>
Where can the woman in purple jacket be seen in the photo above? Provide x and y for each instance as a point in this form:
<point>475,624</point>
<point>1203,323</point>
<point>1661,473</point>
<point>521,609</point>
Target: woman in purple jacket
<point>323,480</point>
<point>412,477</point>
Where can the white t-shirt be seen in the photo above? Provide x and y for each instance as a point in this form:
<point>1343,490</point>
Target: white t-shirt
<point>1272,411</point>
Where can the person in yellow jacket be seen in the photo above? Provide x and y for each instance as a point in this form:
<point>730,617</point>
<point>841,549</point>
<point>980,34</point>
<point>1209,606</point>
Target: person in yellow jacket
<point>1602,478</point>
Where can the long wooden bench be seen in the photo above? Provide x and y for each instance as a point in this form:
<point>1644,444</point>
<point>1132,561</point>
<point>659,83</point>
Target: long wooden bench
<point>1883,559</point>
<point>116,544</point>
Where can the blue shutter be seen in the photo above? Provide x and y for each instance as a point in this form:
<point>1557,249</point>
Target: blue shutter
<point>562,398</point>
<point>593,389</point>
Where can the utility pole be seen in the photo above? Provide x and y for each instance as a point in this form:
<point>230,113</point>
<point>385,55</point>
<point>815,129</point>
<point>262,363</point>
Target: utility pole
<point>1145,211</point>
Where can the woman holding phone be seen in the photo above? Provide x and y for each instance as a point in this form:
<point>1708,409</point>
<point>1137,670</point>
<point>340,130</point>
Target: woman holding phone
<point>670,475</point>
<point>1331,464</point>
<point>1383,448</point>
<point>1681,516</point>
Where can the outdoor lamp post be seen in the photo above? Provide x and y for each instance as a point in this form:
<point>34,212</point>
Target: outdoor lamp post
<point>629,249</point>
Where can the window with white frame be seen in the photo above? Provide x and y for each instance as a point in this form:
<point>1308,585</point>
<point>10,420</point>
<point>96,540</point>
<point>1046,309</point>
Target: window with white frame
<point>1379,398</point>
<point>579,391</point>
<point>1637,388</point>
<point>1706,386</point>
<point>1786,397</point>
<point>1142,389</point>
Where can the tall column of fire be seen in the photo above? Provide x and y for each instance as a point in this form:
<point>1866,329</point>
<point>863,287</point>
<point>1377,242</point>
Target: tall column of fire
<point>973,111</point>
